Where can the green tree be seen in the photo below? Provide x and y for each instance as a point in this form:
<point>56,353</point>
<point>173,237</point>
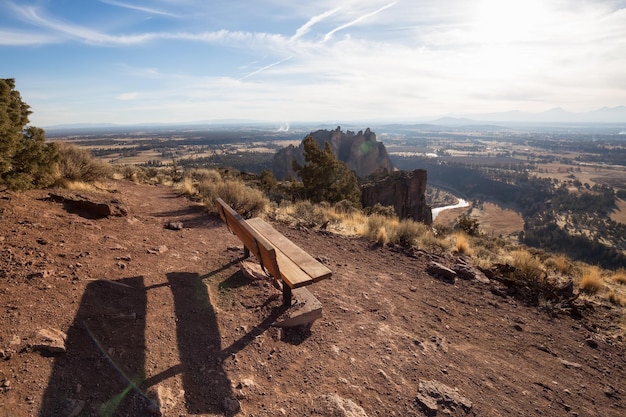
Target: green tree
<point>325,178</point>
<point>26,160</point>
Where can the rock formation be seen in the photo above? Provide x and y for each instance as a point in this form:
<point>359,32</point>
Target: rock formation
<point>404,191</point>
<point>361,151</point>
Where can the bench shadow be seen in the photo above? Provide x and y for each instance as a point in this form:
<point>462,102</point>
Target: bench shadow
<point>105,358</point>
<point>199,343</point>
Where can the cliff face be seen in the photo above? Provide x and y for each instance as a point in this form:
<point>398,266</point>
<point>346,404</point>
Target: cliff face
<point>405,191</point>
<point>361,151</point>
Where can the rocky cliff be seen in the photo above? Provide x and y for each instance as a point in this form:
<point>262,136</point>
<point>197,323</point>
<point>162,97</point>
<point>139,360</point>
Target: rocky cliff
<point>403,190</point>
<point>361,151</point>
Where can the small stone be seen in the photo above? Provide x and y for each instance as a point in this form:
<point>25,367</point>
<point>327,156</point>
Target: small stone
<point>518,328</point>
<point>39,274</point>
<point>174,226</point>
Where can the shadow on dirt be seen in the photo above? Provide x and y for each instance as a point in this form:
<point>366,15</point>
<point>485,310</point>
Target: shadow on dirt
<point>199,343</point>
<point>105,356</point>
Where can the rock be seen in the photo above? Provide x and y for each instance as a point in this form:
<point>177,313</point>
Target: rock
<point>433,396</point>
<point>591,343</point>
<point>39,274</point>
<point>439,271</point>
<point>341,407</point>
<point>49,341</point>
<point>360,151</point>
<point>568,364</point>
<point>174,226</point>
<point>253,271</point>
<point>468,272</point>
<point>89,204</point>
<point>304,310</point>
<point>404,191</point>
<point>246,383</point>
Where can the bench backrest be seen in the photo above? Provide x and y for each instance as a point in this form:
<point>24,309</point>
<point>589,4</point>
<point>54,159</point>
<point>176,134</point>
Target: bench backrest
<point>252,240</point>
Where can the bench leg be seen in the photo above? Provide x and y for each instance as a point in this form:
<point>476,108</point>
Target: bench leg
<point>286,295</point>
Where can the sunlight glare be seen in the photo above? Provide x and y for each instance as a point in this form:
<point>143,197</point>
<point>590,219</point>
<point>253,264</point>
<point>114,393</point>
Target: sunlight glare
<point>506,21</point>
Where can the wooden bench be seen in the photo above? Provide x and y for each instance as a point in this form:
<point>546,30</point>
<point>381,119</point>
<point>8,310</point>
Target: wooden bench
<point>287,263</point>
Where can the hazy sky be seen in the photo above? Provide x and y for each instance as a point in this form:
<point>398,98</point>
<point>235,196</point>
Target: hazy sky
<point>126,61</point>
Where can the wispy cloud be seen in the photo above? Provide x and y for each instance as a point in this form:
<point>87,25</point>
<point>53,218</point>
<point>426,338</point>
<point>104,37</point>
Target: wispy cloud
<point>304,29</point>
<point>138,8</point>
<point>330,34</point>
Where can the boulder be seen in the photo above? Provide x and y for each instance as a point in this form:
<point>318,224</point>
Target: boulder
<point>89,204</point>
<point>48,341</point>
<point>439,271</point>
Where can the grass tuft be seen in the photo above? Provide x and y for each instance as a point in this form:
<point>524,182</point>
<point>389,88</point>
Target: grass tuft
<point>462,244</point>
<point>559,263</point>
<point>591,280</point>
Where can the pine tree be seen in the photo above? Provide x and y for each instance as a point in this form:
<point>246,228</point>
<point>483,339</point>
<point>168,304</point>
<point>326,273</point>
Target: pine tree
<point>324,177</point>
<point>26,160</point>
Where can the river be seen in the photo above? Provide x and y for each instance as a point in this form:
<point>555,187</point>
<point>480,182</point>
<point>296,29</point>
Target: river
<point>462,203</point>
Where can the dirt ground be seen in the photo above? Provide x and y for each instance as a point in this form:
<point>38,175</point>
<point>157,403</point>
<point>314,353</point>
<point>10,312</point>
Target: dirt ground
<point>156,313</point>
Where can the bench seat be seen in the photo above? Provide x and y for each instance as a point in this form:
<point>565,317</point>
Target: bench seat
<point>286,262</point>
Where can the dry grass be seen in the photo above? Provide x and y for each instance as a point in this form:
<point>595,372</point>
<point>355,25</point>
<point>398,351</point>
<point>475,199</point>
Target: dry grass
<point>527,264</point>
<point>187,187</point>
<point>559,263</point>
<point>462,244</point>
<point>619,276</point>
<point>591,281</point>
<point>616,299</point>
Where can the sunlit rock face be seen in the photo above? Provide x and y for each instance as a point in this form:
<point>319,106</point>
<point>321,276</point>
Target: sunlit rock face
<point>361,151</point>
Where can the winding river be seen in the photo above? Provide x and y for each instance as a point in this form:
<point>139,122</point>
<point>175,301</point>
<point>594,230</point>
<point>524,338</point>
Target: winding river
<point>462,203</point>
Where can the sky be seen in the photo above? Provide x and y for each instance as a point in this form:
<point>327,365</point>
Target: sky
<point>171,61</point>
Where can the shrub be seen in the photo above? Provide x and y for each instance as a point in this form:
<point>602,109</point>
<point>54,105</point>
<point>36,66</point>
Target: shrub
<point>308,214</point>
<point>407,233</point>
<point>77,164</point>
<point>247,201</point>
<point>591,281</point>
<point>379,209</point>
<point>374,225</point>
<point>469,225</point>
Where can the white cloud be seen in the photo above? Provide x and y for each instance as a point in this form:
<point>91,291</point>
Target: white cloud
<point>127,96</point>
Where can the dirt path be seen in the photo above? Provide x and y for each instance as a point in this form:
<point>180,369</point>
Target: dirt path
<point>147,309</point>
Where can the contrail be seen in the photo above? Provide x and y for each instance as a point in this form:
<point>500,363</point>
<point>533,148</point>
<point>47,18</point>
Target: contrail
<point>265,68</point>
<point>304,29</point>
<point>357,20</point>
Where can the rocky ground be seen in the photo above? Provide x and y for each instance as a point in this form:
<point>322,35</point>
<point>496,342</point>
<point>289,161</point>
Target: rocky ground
<point>160,319</point>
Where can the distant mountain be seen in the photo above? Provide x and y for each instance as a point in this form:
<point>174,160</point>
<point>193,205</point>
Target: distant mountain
<point>555,115</point>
